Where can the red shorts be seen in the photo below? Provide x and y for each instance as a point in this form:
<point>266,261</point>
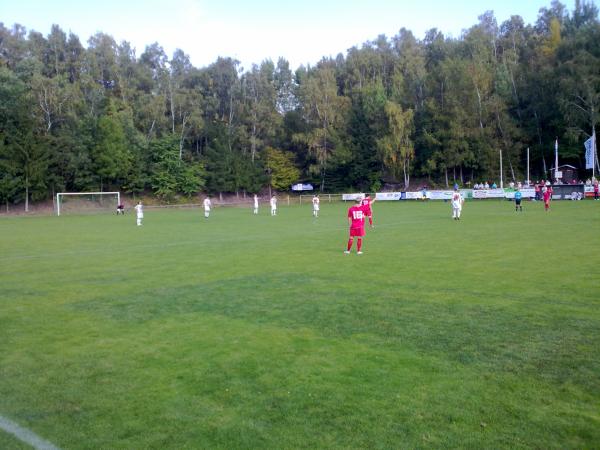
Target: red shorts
<point>357,232</point>
<point>368,213</point>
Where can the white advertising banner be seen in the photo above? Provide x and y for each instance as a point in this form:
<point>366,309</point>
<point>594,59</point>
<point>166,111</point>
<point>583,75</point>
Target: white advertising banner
<point>414,195</point>
<point>439,195</point>
<point>488,193</point>
<point>526,193</point>
<point>346,197</point>
<point>388,196</point>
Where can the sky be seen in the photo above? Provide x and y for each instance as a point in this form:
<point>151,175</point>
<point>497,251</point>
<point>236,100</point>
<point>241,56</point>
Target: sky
<point>251,31</point>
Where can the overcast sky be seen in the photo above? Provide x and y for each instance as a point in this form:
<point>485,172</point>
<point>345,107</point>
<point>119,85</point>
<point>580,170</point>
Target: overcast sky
<point>302,31</point>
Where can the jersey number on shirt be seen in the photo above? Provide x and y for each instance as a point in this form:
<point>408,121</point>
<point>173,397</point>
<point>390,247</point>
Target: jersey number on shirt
<point>356,215</point>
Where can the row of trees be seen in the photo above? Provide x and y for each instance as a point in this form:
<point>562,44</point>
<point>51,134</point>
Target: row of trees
<point>101,117</point>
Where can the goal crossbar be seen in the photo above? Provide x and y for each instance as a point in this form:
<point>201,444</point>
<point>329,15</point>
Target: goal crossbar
<point>61,194</point>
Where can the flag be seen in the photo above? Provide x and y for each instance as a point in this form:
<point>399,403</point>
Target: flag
<point>589,153</point>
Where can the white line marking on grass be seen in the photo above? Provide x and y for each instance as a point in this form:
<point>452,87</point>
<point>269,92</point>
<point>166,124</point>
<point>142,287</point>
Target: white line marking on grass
<point>24,435</point>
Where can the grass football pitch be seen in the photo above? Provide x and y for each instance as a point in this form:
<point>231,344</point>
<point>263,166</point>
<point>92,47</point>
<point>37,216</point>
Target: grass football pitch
<point>246,331</point>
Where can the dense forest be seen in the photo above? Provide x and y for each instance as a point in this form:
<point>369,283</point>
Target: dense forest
<point>101,117</point>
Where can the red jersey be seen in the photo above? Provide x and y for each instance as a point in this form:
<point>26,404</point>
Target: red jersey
<point>357,214</point>
<point>366,205</point>
<point>547,195</point>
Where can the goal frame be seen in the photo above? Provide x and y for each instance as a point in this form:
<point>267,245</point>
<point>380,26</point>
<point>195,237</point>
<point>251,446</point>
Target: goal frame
<point>61,194</point>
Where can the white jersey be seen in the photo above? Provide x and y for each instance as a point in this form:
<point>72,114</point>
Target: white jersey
<point>207,204</point>
<point>273,203</point>
<point>255,201</point>
<point>139,210</point>
<point>457,200</point>
<point>316,202</point>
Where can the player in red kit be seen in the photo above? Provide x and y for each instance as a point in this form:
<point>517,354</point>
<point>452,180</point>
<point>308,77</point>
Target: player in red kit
<point>356,220</point>
<point>366,203</point>
<point>547,196</point>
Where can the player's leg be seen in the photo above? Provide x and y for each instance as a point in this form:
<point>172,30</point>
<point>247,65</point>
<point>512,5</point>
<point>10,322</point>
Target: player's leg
<point>350,242</point>
<point>359,245</point>
<point>371,220</point>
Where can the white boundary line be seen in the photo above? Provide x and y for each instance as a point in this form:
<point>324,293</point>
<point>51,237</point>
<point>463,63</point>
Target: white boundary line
<point>25,435</point>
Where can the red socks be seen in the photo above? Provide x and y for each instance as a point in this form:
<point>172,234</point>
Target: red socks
<point>358,244</point>
<point>350,241</point>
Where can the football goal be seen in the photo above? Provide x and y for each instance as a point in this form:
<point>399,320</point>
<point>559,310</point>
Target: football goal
<point>82,202</point>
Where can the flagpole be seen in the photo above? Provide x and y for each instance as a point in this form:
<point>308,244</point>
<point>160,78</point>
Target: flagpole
<point>528,166</point>
<point>501,182</point>
<point>555,158</point>
<point>594,155</point>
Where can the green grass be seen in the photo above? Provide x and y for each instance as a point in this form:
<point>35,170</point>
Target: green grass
<point>247,331</point>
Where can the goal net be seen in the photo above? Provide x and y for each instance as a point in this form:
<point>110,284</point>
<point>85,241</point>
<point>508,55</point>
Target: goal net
<point>84,202</point>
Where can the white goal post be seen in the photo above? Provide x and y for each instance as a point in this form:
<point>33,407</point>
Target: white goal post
<point>60,197</point>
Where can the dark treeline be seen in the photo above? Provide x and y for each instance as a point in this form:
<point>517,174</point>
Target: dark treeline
<point>75,119</point>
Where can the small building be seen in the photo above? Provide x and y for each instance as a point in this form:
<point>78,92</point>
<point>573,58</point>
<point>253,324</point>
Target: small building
<point>567,173</point>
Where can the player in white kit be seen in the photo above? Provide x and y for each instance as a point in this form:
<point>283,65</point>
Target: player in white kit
<point>315,202</point>
<point>255,204</point>
<point>457,203</point>
<point>139,209</point>
<point>273,206</point>
<point>207,205</point>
